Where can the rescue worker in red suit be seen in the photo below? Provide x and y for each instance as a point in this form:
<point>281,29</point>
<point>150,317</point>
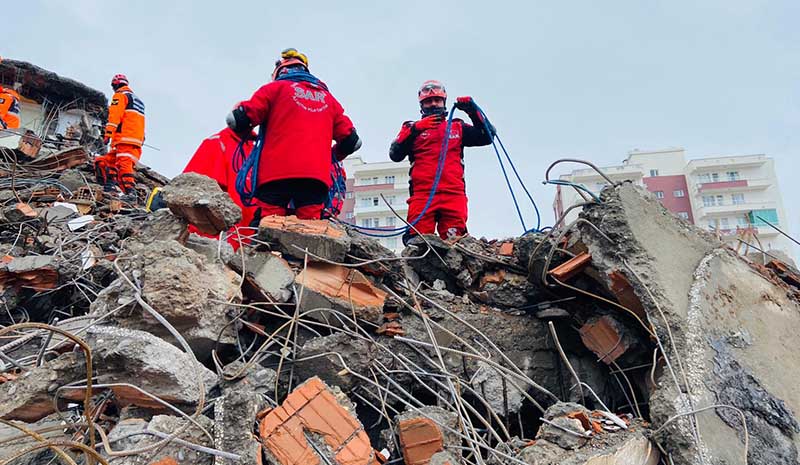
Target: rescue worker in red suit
<point>125,131</point>
<point>301,118</point>
<point>214,158</point>
<point>421,141</point>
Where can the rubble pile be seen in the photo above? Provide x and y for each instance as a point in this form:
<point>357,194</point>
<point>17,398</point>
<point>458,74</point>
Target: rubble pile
<point>627,337</point>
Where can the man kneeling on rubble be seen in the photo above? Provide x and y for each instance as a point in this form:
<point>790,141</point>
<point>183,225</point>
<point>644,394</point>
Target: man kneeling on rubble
<point>215,159</point>
<point>300,117</point>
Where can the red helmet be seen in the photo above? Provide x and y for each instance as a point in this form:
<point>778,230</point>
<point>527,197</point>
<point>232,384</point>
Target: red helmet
<point>431,89</point>
<point>289,57</point>
<point>119,80</point>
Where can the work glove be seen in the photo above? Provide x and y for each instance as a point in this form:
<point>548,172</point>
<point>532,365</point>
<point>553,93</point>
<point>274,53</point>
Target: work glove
<point>466,104</point>
<point>428,122</point>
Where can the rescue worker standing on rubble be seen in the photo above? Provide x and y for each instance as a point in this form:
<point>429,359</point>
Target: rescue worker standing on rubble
<point>301,118</point>
<point>421,141</point>
<point>125,131</point>
<point>9,108</point>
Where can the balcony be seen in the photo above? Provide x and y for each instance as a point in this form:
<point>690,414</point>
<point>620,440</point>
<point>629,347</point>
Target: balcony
<point>740,185</point>
<point>760,231</point>
<point>727,162</point>
<point>617,173</point>
<point>722,210</point>
<point>399,206</point>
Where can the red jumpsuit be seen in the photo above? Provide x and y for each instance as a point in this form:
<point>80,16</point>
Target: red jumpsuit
<point>301,118</point>
<point>214,158</point>
<point>447,212</point>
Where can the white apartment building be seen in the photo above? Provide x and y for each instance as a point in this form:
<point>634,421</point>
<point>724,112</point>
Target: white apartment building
<point>733,196</point>
<point>364,206</point>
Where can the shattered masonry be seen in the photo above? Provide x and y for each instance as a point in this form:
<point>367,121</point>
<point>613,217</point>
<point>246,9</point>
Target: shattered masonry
<point>629,338</point>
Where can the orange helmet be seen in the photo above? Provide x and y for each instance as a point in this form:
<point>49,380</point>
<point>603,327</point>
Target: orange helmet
<point>431,89</point>
<point>289,57</point>
<point>119,80</point>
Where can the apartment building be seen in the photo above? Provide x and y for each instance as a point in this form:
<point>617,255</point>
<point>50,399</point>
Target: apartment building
<point>368,184</point>
<point>734,196</point>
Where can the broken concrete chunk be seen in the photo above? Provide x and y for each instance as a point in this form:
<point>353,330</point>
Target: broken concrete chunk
<point>314,425</point>
<point>502,396</point>
<point>136,433</point>
<point>139,358</point>
<point>189,292</point>
<point>37,272</point>
<point>425,432</point>
<point>234,416</point>
<point>324,357</point>
<point>565,428</point>
<point>161,225</point>
<point>341,288</point>
<point>703,293</point>
<point>292,236</point>
<point>199,200</point>
<point>19,212</point>
<point>29,397</point>
<point>268,278</point>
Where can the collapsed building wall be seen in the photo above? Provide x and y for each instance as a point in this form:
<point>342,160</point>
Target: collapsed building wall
<point>56,112</point>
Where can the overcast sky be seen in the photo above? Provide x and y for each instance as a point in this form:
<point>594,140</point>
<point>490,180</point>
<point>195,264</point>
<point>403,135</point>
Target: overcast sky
<point>585,79</point>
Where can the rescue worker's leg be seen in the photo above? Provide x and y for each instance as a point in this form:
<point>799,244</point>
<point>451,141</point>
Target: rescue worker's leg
<point>106,171</point>
<point>426,224</point>
<point>309,197</point>
<point>274,196</point>
<point>451,210</point>
<point>127,156</point>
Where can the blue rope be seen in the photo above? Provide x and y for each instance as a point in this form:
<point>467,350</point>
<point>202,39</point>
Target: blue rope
<point>439,170</point>
<point>248,166</point>
<point>491,131</point>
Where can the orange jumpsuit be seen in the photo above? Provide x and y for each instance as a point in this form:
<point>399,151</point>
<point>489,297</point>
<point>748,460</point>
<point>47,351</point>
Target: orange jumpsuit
<point>125,129</point>
<point>9,108</point>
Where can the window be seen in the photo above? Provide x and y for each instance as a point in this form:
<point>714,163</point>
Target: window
<point>708,201</point>
<point>714,177</point>
<point>742,221</point>
<point>389,180</point>
<point>390,221</point>
<point>659,194</point>
<point>350,195</point>
<point>683,215</point>
<point>724,223</point>
<point>760,217</point>
<point>376,222</point>
<point>349,215</point>
<point>737,199</point>
<point>719,200</point>
<point>703,178</point>
<point>376,201</point>
<point>366,202</point>
<point>366,222</point>
<point>679,193</point>
<point>732,175</point>
<point>375,180</point>
<point>390,198</point>
<point>653,173</point>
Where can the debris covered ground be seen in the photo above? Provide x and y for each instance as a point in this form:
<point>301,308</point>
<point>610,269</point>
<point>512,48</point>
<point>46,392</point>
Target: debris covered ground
<point>627,337</point>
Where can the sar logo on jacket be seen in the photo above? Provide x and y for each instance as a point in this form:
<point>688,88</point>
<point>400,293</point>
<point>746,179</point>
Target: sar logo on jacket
<point>309,99</point>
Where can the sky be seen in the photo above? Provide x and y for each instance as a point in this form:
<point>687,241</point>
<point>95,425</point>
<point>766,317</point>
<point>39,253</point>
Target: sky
<point>584,79</point>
